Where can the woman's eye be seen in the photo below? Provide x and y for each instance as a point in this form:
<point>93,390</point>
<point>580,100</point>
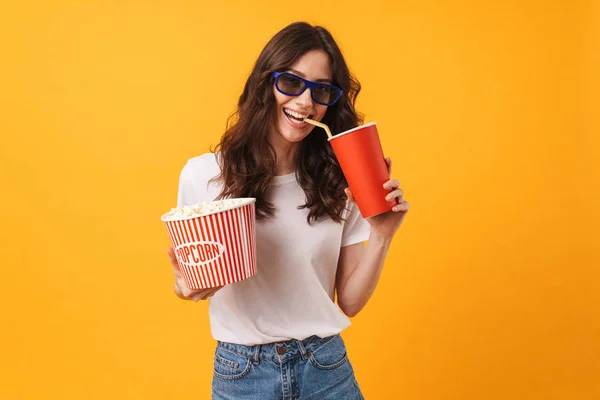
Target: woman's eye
<point>292,81</point>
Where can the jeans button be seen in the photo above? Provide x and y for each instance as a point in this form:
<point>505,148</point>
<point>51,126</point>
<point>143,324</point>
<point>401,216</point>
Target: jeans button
<point>282,350</point>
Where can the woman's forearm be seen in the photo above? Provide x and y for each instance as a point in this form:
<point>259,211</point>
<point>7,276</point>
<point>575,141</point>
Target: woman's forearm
<point>363,280</point>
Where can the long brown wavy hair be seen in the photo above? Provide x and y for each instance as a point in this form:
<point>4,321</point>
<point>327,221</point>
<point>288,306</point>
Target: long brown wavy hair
<point>247,159</point>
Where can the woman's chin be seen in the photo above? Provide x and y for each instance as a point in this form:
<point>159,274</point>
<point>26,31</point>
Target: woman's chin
<point>294,135</point>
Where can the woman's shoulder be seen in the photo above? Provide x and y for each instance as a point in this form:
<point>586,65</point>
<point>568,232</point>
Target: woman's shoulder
<point>203,167</point>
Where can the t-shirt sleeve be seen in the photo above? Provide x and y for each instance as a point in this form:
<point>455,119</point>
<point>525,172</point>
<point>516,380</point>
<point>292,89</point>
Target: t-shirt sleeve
<point>356,228</point>
<point>186,194</point>
<point>194,180</point>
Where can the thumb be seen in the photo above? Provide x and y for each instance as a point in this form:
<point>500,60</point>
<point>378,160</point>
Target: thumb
<point>349,194</point>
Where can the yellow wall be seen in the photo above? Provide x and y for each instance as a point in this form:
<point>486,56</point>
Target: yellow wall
<point>491,290</point>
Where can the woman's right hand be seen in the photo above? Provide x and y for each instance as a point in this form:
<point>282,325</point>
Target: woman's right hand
<point>181,289</point>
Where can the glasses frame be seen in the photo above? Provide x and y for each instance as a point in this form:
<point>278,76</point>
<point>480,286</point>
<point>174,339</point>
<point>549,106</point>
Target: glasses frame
<point>307,84</point>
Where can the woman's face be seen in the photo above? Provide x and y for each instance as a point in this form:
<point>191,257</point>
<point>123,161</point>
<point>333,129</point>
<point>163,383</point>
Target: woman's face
<point>314,66</point>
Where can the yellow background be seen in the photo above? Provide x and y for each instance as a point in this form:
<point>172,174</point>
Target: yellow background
<point>491,289</point>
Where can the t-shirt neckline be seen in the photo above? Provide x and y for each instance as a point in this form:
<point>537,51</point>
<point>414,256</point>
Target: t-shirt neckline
<point>281,179</point>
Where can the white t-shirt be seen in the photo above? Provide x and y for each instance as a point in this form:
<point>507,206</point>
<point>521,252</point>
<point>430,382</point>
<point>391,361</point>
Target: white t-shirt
<point>291,296</point>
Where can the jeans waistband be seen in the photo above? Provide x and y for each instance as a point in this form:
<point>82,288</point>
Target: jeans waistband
<point>279,351</point>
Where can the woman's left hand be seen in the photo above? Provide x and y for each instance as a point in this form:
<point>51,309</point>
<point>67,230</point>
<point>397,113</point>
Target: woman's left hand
<point>386,224</point>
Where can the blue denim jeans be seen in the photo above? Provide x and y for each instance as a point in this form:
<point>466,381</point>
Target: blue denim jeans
<point>311,369</point>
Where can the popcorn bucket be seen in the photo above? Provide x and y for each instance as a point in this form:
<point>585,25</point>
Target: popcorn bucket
<point>214,242</point>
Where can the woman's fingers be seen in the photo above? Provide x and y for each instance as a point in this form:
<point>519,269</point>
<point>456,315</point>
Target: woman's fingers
<point>391,184</point>
<point>205,294</point>
<point>181,289</point>
<point>401,207</point>
<point>174,263</point>
<point>183,292</point>
<point>210,293</point>
<point>396,194</point>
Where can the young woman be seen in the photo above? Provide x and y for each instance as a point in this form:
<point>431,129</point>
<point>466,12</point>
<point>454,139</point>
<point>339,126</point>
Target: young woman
<point>278,332</point>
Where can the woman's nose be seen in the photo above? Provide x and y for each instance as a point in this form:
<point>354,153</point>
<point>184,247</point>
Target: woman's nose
<point>305,99</point>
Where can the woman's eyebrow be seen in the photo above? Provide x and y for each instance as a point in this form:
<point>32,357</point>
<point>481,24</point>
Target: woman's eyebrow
<point>304,76</point>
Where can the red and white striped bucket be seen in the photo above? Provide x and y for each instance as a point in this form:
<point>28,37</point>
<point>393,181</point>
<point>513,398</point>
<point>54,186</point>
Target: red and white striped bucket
<point>217,248</point>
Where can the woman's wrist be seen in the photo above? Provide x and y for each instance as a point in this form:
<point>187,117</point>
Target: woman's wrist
<point>380,238</point>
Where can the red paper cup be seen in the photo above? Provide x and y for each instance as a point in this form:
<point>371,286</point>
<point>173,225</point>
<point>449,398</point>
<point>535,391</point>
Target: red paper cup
<point>361,157</point>
<point>216,248</point>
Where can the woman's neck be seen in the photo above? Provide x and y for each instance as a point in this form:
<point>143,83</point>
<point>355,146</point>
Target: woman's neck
<point>285,152</point>
<point>286,161</point>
